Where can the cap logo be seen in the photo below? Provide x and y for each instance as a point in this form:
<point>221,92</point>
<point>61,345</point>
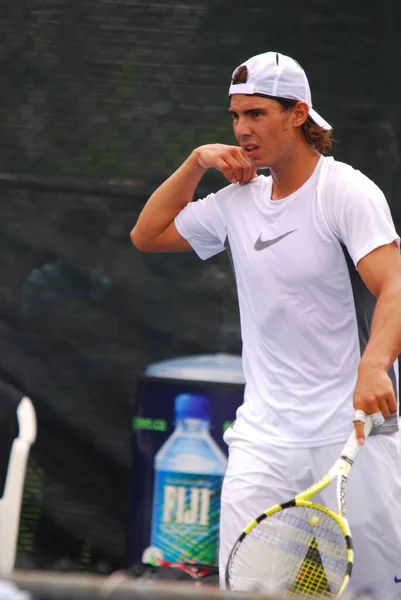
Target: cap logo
<point>240,75</point>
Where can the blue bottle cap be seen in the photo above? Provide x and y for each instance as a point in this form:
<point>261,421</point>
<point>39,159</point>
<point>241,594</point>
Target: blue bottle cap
<point>192,406</point>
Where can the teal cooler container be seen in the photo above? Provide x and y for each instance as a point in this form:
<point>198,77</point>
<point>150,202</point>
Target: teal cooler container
<point>183,407</point>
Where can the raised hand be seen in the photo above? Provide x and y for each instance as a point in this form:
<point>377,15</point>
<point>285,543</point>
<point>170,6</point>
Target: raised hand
<point>231,161</point>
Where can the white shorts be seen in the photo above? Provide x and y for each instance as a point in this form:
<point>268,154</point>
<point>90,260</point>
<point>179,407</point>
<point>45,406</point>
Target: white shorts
<point>260,475</point>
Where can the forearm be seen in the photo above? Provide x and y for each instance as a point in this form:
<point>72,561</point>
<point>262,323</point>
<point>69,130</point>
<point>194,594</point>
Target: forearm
<point>168,200</point>
<point>384,344</point>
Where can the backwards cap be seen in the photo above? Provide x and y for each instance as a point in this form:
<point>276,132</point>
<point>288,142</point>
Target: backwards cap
<point>276,75</point>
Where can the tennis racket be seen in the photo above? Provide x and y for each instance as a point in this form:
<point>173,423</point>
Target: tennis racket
<point>299,548</point>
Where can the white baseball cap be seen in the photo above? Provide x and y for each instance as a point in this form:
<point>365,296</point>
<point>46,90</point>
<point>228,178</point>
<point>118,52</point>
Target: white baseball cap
<point>276,75</point>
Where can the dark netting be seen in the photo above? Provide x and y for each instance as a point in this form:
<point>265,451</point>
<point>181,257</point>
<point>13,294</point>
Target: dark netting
<point>100,100</point>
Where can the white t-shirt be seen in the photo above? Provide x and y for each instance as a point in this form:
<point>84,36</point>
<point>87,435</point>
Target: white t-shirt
<point>305,312</point>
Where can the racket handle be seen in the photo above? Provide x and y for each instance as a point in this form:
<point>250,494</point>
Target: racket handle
<point>352,446</point>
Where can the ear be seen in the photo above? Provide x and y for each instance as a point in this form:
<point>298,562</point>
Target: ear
<point>300,113</point>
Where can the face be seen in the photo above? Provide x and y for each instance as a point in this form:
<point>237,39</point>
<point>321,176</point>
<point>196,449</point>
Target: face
<point>263,129</point>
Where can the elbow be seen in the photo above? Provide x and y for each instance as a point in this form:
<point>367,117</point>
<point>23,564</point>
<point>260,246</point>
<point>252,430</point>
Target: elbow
<point>136,240</point>
<point>139,241</point>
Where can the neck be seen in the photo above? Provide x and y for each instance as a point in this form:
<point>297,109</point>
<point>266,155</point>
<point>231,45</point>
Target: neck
<point>293,171</point>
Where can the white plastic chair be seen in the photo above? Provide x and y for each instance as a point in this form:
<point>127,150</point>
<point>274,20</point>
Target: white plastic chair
<point>10,503</point>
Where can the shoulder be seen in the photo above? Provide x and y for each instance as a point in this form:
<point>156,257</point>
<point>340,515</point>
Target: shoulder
<point>342,180</point>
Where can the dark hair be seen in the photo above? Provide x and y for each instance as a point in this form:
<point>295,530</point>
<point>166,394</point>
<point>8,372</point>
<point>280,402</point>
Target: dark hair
<point>316,136</point>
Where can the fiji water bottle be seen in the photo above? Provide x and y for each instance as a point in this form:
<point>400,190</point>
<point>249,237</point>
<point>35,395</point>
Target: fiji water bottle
<point>189,470</point>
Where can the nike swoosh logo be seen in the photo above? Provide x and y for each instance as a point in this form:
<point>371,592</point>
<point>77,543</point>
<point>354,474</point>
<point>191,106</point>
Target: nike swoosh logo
<point>261,245</point>
<point>396,580</point>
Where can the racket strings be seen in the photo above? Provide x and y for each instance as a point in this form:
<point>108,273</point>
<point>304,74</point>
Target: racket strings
<point>297,551</point>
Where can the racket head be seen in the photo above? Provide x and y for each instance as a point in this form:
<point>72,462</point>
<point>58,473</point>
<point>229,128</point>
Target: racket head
<point>299,548</point>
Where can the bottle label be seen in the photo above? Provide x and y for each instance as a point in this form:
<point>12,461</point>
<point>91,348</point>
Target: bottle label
<point>186,512</point>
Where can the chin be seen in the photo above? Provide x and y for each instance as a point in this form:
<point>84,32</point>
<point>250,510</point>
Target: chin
<point>259,163</point>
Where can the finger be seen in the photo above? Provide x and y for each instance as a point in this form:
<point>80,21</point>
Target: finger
<point>247,174</point>
<point>239,156</point>
<point>368,403</point>
<point>251,168</point>
<point>243,167</point>
<point>387,404</point>
<point>359,431</point>
<point>384,408</point>
<point>238,168</point>
<point>392,403</point>
<point>377,419</point>
<point>230,168</point>
<point>249,171</point>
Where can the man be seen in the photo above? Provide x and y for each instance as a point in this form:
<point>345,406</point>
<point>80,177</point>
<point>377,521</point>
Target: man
<point>315,254</point>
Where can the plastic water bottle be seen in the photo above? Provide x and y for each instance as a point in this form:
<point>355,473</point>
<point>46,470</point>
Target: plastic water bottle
<point>189,470</point>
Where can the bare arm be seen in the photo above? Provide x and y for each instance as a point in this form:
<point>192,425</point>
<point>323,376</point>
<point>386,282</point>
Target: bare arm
<point>155,230</point>
<point>381,272</point>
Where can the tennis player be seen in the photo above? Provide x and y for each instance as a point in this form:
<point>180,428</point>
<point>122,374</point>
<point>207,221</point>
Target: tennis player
<point>318,272</point>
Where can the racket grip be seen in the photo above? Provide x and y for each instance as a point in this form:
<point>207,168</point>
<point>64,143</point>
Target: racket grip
<point>352,446</point>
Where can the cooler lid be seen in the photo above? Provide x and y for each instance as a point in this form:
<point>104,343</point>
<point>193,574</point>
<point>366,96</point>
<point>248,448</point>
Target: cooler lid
<point>220,367</point>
